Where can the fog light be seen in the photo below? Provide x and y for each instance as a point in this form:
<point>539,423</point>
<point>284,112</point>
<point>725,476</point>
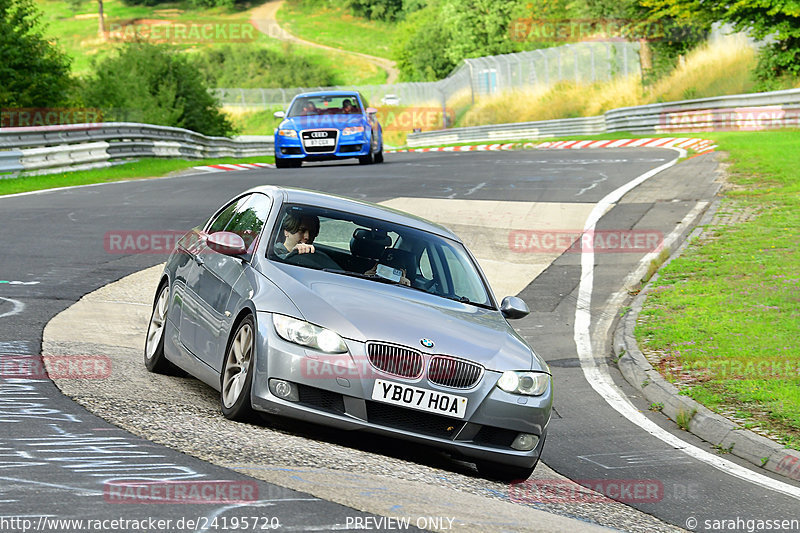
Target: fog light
<point>284,390</point>
<point>525,442</point>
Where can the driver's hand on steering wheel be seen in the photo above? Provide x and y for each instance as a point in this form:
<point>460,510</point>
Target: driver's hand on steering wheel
<point>302,248</point>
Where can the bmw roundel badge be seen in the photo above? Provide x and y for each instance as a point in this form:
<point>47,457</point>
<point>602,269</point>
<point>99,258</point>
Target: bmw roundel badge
<point>426,343</point>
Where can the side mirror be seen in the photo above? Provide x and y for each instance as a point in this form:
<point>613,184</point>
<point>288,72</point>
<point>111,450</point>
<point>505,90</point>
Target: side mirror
<point>513,307</point>
<point>279,114</point>
<point>371,111</point>
<point>226,243</point>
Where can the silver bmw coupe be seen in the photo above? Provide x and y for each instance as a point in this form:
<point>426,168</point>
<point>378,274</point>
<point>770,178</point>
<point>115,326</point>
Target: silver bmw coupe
<point>352,315</point>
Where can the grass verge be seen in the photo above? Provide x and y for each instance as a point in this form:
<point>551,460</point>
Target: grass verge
<point>145,168</point>
<point>724,315</point>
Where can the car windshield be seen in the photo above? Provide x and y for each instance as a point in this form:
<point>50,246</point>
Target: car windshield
<point>376,250</point>
<point>307,106</point>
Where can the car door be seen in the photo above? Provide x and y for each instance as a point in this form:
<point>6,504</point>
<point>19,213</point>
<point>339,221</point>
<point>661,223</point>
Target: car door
<point>206,316</point>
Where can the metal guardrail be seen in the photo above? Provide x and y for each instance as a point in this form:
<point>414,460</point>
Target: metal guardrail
<point>747,112</point>
<point>48,149</point>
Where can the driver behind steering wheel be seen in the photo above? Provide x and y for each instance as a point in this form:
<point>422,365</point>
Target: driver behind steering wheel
<point>299,232</point>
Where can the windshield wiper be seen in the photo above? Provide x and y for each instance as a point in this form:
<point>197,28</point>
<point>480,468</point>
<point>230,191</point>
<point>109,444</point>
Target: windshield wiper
<point>372,277</point>
<point>465,300</point>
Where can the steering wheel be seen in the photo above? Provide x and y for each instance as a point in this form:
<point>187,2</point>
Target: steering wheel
<point>318,260</point>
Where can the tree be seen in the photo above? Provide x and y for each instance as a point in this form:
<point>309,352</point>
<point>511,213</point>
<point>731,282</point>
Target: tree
<point>433,40</point>
<point>778,20</point>
<point>33,72</point>
<point>155,85</point>
<point>662,36</point>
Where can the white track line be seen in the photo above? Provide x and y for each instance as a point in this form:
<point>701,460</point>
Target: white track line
<point>17,309</point>
<point>597,375</point>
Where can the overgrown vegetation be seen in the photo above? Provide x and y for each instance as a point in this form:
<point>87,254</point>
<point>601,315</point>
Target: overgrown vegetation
<point>711,70</point>
<point>154,85</point>
<point>780,21</point>
<point>245,67</point>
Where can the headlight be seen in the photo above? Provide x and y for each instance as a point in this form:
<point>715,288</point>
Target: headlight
<point>353,130</point>
<point>288,133</point>
<point>527,383</point>
<point>307,334</point>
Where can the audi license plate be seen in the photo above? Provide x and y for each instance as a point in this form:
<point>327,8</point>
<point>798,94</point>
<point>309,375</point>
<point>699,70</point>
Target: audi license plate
<point>320,142</point>
<point>430,401</point>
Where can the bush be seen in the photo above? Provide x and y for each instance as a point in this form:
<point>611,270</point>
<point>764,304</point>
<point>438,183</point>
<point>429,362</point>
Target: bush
<point>154,85</point>
<point>778,65</point>
<point>248,67</point>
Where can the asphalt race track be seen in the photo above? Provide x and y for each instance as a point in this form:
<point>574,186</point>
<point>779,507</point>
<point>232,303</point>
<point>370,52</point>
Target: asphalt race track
<point>57,459</point>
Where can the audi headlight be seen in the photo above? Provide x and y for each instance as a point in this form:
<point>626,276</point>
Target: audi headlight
<point>307,334</point>
<point>527,383</point>
<point>291,134</point>
<point>352,130</point>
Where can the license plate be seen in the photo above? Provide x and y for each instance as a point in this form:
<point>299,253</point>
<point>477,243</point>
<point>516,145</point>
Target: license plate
<point>320,142</point>
<point>430,401</point>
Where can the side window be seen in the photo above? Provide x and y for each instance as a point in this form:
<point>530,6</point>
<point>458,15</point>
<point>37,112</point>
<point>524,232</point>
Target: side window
<point>224,217</point>
<point>249,218</point>
<point>425,265</point>
<point>335,233</point>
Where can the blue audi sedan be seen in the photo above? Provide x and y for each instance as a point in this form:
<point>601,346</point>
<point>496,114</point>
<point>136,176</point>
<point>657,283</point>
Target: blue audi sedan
<point>324,126</point>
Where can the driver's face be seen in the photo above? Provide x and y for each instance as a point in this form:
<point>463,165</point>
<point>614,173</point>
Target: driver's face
<point>305,234</point>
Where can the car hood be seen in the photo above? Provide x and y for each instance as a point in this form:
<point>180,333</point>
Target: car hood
<point>323,121</point>
<point>366,310</point>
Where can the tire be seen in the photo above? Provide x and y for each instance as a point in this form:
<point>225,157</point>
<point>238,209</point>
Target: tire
<point>236,380</point>
<point>281,163</point>
<point>379,156</point>
<point>154,359</point>
<point>296,163</point>
<point>366,159</point>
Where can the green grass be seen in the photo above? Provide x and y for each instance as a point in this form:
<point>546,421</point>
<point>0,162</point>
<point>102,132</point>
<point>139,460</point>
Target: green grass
<point>726,312</point>
<point>145,168</point>
<point>256,123</point>
<point>335,26</point>
<point>76,33</point>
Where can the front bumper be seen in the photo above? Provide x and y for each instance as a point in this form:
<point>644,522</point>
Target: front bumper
<point>350,146</point>
<point>336,391</point>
